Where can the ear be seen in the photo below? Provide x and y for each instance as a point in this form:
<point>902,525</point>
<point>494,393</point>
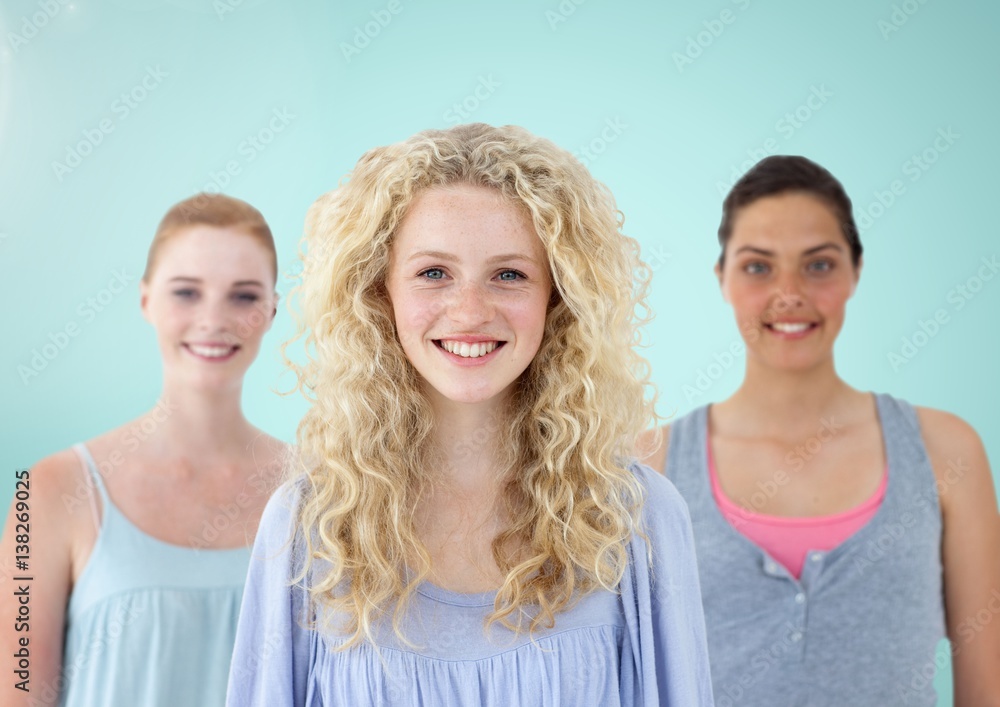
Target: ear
<point>857,273</point>
<point>144,299</point>
<point>274,312</point>
<point>718,276</point>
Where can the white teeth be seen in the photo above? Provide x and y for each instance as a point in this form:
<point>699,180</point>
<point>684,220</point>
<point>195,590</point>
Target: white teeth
<point>460,348</point>
<point>789,327</point>
<point>211,351</point>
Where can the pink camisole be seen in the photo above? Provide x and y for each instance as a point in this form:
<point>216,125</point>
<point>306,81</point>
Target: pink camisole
<point>789,538</point>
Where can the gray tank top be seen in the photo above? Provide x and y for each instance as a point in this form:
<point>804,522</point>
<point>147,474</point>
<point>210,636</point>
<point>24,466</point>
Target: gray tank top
<point>860,627</point>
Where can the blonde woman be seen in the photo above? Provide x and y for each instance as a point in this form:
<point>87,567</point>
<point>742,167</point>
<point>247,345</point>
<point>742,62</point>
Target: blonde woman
<point>139,536</point>
<point>467,527</point>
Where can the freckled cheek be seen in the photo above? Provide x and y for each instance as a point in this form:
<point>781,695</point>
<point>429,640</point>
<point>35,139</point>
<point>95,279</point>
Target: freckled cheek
<point>528,318</point>
<point>414,319</point>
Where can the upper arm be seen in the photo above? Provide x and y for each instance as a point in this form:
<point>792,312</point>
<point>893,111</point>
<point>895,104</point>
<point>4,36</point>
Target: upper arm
<point>44,521</point>
<point>271,656</point>
<point>653,446</point>
<point>970,554</point>
<point>677,617</point>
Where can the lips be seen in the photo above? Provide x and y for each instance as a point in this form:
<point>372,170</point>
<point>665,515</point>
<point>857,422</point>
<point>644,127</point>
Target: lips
<point>213,351</point>
<point>791,330</point>
<point>468,350</point>
<point>791,327</point>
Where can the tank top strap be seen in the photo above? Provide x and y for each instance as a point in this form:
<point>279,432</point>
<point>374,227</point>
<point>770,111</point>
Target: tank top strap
<point>686,464</point>
<point>904,449</point>
<point>95,480</point>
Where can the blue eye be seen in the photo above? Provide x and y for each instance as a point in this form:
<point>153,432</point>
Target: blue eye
<point>756,268</point>
<point>821,266</point>
<point>511,275</point>
<point>186,293</point>
<point>246,297</point>
<point>433,274</point>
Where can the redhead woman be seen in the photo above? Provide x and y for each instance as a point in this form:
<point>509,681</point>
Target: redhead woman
<point>840,533</point>
<point>140,536</point>
<point>465,524</point>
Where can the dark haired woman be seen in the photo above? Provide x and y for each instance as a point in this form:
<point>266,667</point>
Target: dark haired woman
<point>840,534</point>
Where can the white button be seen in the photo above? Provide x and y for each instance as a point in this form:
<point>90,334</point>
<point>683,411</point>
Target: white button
<point>817,556</point>
<point>796,636</point>
<point>800,598</point>
<point>771,567</point>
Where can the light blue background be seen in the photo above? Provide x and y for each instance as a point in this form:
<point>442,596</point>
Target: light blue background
<point>565,71</point>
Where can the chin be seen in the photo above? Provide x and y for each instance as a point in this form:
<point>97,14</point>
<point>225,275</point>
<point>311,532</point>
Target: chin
<point>213,381</point>
<point>796,364</point>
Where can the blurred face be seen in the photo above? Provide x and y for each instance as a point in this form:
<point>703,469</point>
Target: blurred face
<point>469,284</point>
<point>210,298</point>
<point>788,276</point>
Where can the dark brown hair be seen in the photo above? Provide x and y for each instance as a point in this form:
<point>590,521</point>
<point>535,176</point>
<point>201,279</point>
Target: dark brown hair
<point>779,174</point>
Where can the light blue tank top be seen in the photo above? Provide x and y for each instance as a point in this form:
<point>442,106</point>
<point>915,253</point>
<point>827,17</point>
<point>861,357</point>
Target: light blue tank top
<point>149,623</point>
<point>861,625</point>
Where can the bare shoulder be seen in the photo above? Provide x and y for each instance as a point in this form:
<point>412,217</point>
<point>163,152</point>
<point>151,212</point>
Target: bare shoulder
<point>947,435</point>
<point>956,453</point>
<point>652,448</point>
<point>54,478</point>
<point>50,491</point>
<point>271,459</point>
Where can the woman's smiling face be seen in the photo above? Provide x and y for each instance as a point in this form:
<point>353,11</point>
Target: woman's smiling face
<point>469,284</point>
<point>788,275</point>
<point>210,298</point>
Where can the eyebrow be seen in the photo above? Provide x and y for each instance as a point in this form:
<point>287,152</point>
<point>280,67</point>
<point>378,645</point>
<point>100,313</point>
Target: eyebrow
<point>440,255</point>
<point>762,251</point>
<point>238,283</point>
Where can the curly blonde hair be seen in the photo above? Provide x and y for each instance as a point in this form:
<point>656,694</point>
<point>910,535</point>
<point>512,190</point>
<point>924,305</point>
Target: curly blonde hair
<point>569,500</point>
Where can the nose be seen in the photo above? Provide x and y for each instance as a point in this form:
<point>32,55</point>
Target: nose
<point>470,305</point>
<point>213,316</point>
<point>788,294</point>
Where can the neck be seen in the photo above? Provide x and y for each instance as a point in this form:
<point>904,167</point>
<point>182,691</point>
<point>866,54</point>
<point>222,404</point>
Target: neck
<point>780,399</point>
<point>464,438</point>
<point>205,424</point>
